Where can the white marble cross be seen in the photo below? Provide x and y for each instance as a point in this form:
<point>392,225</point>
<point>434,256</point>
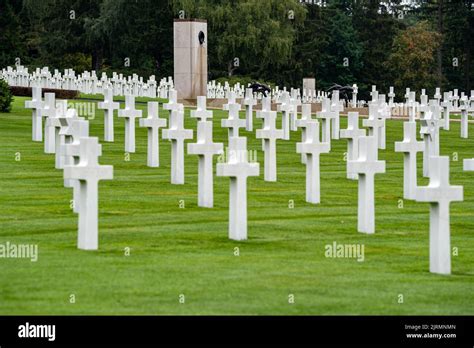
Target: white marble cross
<point>77,128</point>
<point>285,108</point>
<point>336,107</point>
<point>374,123</point>
<point>201,112</point>
<point>407,95</point>
<point>294,103</point>
<point>153,122</point>
<point>440,194</point>
<point>54,123</point>
<point>130,114</point>
<point>233,122</point>
<point>108,105</point>
<point>430,133</point>
<point>65,120</point>
<point>238,169</point>
<point>468,165</point>
<point>230,100</point>
<point>269,133</point>
<point>464,107</point>
<point>438,95</point>
<point>326,115</point>
<point>384,113</point>
<point>446,104</point>
<point>366,166</point>
<point>455,99</point>
<point>374,94</point>
<point>352,134</point>
<point>172,105</point>
<point>312,148</point>
<point>49,111</point>
<point>391,97</point>
<point>249,103</point>
<point>177,134</point>
<point>36,104</point>
<point>355,89</point>
<point>303,123</point>
<point>89,172</point>
<point>410,146</point>
<point>412,104</point>
<point>205,148</point>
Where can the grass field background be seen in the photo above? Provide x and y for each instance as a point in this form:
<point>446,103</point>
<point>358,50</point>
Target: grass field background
<point>186,251</point>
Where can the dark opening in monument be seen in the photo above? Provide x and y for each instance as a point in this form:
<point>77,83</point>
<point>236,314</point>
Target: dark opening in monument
<point>201,37</point>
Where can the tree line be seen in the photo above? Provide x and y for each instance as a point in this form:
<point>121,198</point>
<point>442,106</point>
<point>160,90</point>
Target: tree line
<point>416,44</point>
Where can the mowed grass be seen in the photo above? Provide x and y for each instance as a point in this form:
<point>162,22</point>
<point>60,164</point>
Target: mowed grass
<point>176,251</point>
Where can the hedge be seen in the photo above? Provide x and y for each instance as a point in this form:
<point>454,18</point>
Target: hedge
<point>60,93</point>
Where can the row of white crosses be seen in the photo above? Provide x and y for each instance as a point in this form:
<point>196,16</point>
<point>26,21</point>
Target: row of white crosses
<point>362,161</point>
<point>439,192</point>
<point>67,136</point>
<point>86,82</point>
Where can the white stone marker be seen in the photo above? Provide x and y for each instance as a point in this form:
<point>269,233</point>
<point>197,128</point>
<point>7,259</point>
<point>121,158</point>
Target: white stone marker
<point>294,103</point>
<point>455,99</point>
<point>53,124</point>
<point>77,129</point>
<point>108,105</point>
<point>312,148</point>
<point>374,123</point>
<point>172,105</point>
<point>153,122</point>
<point>238,169</point>
<point>89,172</point>
<point>374,94</point>
<point>130,114</point>
<point>326,115</point>
<point>366,166</point>
<point>352,134</point>
<point>269,133</point>
<point>412,104</point>
<point>303,123</point>
<point>336,107</point>
<point>59,122</point>
<point>355,89</point>
<point>446,104</point>
<point>205,148</point>
<point>177,134</point>
<point>36,104</point>
<point>430,133</point>
<point>410,147</point>
<point>464,107</point>
<point>66,122</point>
<point>468,165</point>
<point>249,103</point>
<point>201,112</point>
<point>440,194</point>
<point>285,108</point>
<point>384,113</point>
<point>438,95</point>
<point>48,111</point>
<point>391,97</point>
<point>233,122</point>
<point>230,100</point>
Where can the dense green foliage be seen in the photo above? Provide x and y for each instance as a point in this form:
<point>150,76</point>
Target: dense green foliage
<point>186,251</point>
<point>281,41</point>
<point>6,97</point>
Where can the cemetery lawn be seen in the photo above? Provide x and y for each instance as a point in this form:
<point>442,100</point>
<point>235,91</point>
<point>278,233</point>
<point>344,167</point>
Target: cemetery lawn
<point>186,251</point>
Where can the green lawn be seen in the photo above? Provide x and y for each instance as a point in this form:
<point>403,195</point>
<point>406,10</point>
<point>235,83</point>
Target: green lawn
<point>186,251</point>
